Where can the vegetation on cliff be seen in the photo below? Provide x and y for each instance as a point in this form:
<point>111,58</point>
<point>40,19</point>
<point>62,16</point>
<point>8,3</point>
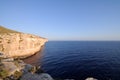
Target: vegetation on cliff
<point>5,30</point>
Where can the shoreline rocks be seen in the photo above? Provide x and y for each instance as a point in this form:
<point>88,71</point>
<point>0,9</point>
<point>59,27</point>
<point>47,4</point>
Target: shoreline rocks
<point>15,69</point>
<point>10,68</point>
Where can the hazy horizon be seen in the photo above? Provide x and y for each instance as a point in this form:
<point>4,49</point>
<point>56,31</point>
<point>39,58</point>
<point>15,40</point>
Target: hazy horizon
<point>64,20</point>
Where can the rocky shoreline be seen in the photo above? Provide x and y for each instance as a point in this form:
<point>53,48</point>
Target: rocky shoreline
<point>15,45</point>
<point>16,69</point>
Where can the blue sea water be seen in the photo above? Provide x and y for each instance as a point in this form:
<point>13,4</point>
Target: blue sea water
<point>81,59</point>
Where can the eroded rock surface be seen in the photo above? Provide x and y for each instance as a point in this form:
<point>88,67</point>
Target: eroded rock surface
<point>16,44</point>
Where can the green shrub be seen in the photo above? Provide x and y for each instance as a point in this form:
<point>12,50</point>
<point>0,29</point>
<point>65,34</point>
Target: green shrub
<point>17,75</point>
<point>3,73</point>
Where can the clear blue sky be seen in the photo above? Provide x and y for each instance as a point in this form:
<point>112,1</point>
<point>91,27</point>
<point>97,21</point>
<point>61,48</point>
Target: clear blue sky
<point>63,19</point>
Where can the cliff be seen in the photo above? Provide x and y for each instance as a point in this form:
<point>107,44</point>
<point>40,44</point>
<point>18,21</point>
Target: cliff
<point>17,44</point>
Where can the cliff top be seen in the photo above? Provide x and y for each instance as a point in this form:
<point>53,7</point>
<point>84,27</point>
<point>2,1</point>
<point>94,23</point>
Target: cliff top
<point>5,30</point>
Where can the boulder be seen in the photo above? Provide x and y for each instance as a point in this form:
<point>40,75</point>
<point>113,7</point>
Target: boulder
<point>91,78</point>
<point>42,76</point>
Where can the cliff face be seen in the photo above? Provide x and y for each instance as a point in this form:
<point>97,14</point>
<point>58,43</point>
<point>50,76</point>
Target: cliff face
<point>20,44</point>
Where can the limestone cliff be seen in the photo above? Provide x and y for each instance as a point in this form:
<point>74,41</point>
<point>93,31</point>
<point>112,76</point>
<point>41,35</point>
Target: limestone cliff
<point>16,44</point>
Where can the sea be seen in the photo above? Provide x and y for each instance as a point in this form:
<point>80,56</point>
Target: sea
<point>79,60</point>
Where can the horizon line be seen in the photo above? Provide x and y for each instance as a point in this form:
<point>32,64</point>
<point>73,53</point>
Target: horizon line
<point>83,40</point>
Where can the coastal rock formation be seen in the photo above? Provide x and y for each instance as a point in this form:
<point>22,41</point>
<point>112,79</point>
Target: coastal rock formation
<point>16,69</point>
<point>16,44</point>
<point>10,68</point>
<point>42,76</point>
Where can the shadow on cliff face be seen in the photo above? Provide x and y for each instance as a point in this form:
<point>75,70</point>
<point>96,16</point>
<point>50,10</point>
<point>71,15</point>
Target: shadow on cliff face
<point>35,59</point>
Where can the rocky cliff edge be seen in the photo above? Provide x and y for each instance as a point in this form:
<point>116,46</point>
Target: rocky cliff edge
<point>17,44</point>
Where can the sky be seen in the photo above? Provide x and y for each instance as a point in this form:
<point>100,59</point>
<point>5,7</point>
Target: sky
<point>63,19</point>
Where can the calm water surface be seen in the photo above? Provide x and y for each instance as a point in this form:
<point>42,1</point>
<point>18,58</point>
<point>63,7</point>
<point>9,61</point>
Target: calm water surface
<point>80,59</point>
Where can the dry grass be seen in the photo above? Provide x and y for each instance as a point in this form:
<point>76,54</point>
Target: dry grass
<point>5,30</point>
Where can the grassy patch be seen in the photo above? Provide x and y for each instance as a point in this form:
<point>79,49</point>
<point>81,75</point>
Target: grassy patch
<point>16,63</point>
<point>3,72</point>
<point>5,30</point>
